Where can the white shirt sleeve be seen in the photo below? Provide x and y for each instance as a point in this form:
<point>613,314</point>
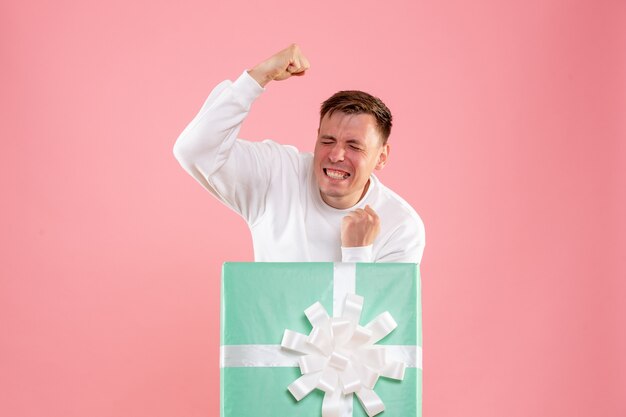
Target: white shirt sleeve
<point>357,254</point>
<point>405,245</point>
<point>235,171</point>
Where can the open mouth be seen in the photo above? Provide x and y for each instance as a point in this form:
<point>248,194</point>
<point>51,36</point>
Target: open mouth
<point>336,174</point>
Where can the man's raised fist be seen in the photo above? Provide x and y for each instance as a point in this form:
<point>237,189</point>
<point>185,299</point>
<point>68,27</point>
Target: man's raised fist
<point>285,64</point>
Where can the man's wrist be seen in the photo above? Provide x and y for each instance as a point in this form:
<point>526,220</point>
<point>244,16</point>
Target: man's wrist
<point>259,76</point>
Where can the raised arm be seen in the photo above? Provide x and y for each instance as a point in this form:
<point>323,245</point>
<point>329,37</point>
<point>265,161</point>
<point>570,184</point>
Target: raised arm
<point>237,172</point>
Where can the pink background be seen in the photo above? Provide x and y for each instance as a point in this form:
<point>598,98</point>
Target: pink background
<point>509,140</point>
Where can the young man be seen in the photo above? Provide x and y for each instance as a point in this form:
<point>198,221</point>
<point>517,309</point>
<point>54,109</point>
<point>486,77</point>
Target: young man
<point>301,207</point>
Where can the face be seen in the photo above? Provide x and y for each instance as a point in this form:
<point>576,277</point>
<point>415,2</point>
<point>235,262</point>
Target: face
<point>348,148</point>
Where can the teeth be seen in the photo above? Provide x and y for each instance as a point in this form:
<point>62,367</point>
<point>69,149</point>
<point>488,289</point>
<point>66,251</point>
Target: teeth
<point>337,175</point>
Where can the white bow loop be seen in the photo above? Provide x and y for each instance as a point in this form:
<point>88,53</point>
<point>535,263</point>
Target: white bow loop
<point>340,357</point>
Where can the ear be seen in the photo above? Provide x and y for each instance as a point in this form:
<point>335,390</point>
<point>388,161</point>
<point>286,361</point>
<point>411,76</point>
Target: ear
<point>382,157</point>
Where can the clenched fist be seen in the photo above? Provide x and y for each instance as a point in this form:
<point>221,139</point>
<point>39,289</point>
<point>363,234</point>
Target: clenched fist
<point>283,65</point>
<point>359,228</point>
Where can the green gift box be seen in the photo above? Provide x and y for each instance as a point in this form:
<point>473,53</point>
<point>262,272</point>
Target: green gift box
<point>260,301</point>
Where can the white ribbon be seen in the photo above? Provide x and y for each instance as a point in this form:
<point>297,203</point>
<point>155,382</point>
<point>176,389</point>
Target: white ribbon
<point>340,357</point>
<point>274,356</point>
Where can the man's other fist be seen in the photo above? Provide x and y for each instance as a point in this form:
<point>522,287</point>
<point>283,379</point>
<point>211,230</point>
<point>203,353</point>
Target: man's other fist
<point>283,65</point>
<point>359,228</point>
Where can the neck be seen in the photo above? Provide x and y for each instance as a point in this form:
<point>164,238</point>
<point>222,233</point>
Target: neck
<point>345,202</point>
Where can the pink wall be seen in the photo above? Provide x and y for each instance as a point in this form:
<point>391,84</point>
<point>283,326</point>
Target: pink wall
<point>509,141</point>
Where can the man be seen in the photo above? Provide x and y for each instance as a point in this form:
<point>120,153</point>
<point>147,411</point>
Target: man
<point>301,207</point>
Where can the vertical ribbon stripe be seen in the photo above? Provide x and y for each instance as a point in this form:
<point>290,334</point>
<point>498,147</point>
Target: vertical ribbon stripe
<point>344,283</point>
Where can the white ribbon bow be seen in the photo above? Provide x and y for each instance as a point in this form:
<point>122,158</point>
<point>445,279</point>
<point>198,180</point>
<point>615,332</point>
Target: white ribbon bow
<point>339,357</point>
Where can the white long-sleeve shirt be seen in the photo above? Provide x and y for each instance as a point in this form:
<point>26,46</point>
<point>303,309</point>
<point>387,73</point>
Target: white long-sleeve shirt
<point>273,188</point>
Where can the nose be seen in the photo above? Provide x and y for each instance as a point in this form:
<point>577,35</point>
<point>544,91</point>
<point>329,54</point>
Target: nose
<point>336,154</point>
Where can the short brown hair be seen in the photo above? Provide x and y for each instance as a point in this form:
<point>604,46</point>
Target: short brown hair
<point>358,102</point>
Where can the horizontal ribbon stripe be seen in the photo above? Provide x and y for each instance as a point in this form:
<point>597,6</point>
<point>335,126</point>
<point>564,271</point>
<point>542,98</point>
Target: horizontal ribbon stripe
<point>266,356</point>
<point>256,356</point>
